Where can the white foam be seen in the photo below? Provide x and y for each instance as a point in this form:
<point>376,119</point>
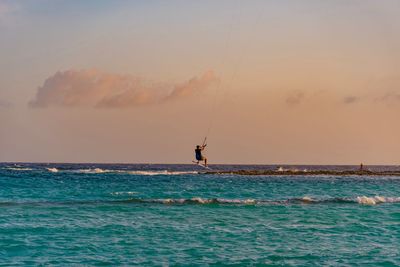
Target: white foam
<point>164,172</point>
<point>249,201</point>
<point>281,169</point>
<point>52,169</point>
<point>168,201</point>
<point>201,200</point>
<point>93,171</point>
<point>393,199</point>
<point>376,200</point>
<point>364,200</point>
<point>18,169</point>
<point>307,199</point>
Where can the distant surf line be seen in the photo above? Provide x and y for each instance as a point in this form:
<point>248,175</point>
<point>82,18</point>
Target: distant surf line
<point>239,172</point>
<point>101,171</point>
<point>363,200</point>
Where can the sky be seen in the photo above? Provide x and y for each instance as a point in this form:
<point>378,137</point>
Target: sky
<point>268,82</point>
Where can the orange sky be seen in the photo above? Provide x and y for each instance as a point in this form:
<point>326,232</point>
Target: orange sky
<point>286,82</point>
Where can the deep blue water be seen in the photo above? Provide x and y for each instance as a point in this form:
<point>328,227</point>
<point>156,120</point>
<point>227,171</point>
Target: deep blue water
<point>115,214</point>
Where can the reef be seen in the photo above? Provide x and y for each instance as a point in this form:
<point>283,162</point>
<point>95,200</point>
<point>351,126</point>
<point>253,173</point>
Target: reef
<point>307,172</point>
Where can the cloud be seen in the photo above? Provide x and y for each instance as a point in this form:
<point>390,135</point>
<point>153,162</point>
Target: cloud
<point>193,85</point>
<point>385,89</point>
<point>295,98</point>
<point>93,88</point>
<point>350,99</point>
<point>391,96</point>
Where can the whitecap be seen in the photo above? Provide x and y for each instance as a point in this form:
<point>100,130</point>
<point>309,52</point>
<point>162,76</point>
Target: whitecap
<point>163,172</point>
<point>200,200</point>
<point>249,201</point>
<point>93,171</point>
<point>18,169</point>
<point>371,200</point>
<point>205,201</point>
<point>134,172</point>
<point>307,199</point>
<point>52,169</point>
<point>168,201</point>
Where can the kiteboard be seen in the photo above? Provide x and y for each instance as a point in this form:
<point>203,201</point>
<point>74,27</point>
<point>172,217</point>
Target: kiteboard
<point>201,165</point>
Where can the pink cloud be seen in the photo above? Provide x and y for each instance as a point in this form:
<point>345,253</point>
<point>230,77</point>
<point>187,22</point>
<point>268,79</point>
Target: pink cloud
<point>92,88</point>
<point>295,98</point>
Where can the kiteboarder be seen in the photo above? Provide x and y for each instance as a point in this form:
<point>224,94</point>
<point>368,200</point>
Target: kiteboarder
<point>199,156</point>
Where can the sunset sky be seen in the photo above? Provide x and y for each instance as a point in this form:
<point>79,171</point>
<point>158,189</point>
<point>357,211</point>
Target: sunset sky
<point>270,82</point>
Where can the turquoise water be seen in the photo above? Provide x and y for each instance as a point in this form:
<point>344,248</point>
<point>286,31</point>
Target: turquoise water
<point>171,215</point>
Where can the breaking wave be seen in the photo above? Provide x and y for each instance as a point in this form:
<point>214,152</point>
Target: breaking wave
<point>304,200</point>
<point>377,200</point>
<point>362,200</point>
<point>91,171</point>
<point>99,171</point>
<point>18,169</point>
<point>162,172</point>
<point>281,169</point>
<point>52,169</point>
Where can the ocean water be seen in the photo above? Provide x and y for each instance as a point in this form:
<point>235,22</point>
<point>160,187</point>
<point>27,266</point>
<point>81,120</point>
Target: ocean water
<point>91,214</point>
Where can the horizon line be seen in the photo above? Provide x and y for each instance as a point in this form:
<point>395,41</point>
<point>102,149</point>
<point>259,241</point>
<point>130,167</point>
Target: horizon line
<point>215,164</point>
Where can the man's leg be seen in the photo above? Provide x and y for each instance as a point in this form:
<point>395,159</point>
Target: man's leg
<point>205,162</point>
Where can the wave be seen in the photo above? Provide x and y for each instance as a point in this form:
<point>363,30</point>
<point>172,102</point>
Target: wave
<point>100,171</point>
<point>151,173</point>
<point>377,200</point>
<point>304,200</point>
<point>92,171</point>
<point>52,169</point>
<point>362,200</point>
<point>249,201</point>
<point>164,172</point>
<point>18,169</point>
<point>281,169</point>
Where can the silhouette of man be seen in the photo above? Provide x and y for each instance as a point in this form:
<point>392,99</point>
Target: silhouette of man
<point>199,156</point>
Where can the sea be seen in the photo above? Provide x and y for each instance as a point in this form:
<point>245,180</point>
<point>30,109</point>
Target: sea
<point>183,215</point>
